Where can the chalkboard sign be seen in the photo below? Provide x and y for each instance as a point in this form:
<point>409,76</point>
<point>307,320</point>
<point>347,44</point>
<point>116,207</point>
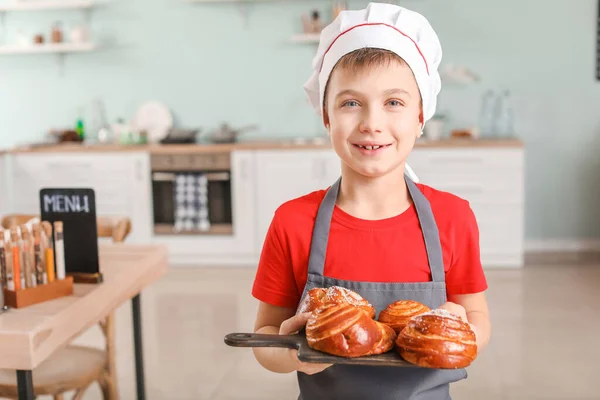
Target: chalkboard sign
<point>76,208</point>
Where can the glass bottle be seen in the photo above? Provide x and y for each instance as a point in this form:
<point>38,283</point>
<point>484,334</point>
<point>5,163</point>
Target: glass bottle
<point>504,115</point>
<point>486,114</point>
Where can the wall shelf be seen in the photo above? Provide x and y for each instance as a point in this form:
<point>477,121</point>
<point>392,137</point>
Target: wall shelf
<point>50,48</point>
<point>306,38</point>
<point>25,5</point>
<point>236,1</point>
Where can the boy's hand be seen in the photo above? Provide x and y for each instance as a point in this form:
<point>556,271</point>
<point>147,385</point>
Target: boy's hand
<point>292,326</point>
<point>455,309</point>
<point>460,311</point>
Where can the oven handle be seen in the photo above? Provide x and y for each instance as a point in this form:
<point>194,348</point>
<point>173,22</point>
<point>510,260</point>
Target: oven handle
<point>211,176</point>
<point>163,177</point>
<point>218,176</point>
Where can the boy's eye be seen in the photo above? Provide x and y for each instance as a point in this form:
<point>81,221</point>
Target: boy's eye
<point>395,103</point>
<point>350,103</point>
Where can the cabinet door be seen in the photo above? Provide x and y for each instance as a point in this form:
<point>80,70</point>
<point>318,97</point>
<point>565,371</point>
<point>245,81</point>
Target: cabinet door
<point>121,183</point>
<point>283,175</point>
<point>4,194</point>
<point>491,179</point>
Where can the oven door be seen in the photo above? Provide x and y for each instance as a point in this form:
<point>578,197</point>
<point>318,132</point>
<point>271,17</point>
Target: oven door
<point>192,202</point>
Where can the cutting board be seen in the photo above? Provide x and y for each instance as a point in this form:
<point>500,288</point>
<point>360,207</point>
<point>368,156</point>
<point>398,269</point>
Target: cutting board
<point>307,354</point>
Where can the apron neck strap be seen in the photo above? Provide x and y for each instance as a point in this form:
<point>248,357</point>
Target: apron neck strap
<point>430,231</point>
<point>320,236</point>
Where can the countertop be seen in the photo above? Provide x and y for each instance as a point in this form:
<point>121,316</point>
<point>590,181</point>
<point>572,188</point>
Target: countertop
<point>29,335</point>
<point>273,144</point>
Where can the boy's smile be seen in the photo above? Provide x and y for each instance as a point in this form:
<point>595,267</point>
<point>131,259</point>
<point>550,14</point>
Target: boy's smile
<point>373,115</point>
<point>371,148</point>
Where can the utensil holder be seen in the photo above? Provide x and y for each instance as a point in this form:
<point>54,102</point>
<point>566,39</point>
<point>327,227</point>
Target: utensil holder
<point>39,294</point>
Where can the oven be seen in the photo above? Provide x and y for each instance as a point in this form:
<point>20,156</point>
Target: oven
<point>191,193</point>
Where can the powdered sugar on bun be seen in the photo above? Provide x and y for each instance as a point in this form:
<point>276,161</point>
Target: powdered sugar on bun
<point>437,339</point>
<point>338,293</point>
<point>317,297</point>
<point>442,313</point>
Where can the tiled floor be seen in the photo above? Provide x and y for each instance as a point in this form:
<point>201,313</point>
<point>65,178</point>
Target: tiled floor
<point>545,340</point>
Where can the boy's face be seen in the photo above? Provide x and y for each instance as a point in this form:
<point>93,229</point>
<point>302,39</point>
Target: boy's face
<point>380,108</point>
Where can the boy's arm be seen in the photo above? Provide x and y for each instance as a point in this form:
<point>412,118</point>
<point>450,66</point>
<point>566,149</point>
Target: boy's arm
<point>283,321</point>
<point>465,279</point>
<point>269,320</point>
<point>275,288</point>
<point>473,308</point>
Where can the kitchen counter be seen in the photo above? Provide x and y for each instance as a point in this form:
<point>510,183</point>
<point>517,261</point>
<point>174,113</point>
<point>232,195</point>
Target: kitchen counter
<point>263,175</point>
<point>251,145</point>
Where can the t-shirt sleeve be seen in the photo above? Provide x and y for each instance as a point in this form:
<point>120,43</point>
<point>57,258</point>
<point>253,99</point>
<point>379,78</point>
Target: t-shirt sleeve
<point>466,275</point>
<point>274,282</point>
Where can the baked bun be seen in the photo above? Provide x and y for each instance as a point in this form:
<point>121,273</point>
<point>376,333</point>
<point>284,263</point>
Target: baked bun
<point>346,331</point>
<point>318,297</point>
<point>437,339</point>
<point>400,312</point>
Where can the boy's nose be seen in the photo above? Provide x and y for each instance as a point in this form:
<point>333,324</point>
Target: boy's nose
<point>370,122</point>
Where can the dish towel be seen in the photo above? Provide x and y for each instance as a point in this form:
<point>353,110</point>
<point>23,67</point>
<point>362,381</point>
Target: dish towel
<point>191,202</point>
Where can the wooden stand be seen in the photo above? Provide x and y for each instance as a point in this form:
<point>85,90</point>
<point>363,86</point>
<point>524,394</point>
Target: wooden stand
<point>80,277</point>
<point>27,297</point>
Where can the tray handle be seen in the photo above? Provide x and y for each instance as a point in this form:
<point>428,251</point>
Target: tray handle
<point>262,340</point>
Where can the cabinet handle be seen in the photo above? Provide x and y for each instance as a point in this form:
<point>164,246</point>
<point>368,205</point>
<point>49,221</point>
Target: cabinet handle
<point>218,176</point>
<point>456,160</point>
<point>163,177</point>
<point>67,165</point>
<point>460,188</point>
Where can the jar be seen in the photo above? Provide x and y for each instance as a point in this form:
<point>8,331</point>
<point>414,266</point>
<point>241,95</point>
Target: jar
<point>57,35</point>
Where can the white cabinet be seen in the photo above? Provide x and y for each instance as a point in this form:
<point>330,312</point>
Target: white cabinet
<point>282,175</point>
<point>4,193</point>
<point>223,249</point>
<point>492,180</point>
<point>121,182</point>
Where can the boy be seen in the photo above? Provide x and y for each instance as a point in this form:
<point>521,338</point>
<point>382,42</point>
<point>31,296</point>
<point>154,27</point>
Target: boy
<point>374,231</point>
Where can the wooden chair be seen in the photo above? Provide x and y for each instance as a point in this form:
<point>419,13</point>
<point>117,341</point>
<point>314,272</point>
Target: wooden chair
<point>74,367</point>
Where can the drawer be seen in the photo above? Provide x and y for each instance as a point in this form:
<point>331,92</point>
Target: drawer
<point>71,169</point>
<point>466,161</point>
<point>501,227</point>
<point>499,190</point>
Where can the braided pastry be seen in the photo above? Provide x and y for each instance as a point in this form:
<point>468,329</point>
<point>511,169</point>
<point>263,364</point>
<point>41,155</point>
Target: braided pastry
<point>437,339</point>
<point>346,331</point>
<point>317,297</point>
<point>397,314</point>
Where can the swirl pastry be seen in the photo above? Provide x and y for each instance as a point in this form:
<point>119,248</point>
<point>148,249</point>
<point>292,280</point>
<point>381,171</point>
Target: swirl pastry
<point>397,314</point>
<point>318,297</point>
<point>437,339</point>
<point>346,331</point>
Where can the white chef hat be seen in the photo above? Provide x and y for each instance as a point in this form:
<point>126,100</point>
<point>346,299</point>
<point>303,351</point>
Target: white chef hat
<point>384,26</point>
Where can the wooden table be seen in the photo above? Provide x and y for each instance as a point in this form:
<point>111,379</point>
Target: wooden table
<point>30,335</point>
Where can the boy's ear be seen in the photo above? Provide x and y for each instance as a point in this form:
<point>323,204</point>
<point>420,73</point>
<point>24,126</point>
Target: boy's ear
<point>421,123</point>
<point>326,119</point>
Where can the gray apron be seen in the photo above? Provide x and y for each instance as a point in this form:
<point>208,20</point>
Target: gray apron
<point>351,382</point>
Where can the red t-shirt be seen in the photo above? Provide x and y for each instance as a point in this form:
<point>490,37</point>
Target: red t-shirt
<point>387,250</point>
